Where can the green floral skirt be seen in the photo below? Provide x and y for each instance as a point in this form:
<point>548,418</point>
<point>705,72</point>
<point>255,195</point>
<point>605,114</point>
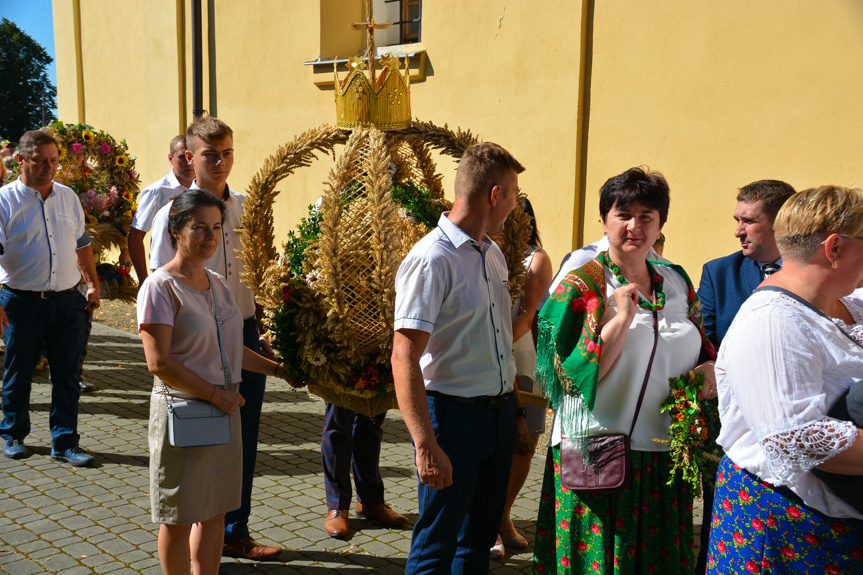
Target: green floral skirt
<point>645,528</point>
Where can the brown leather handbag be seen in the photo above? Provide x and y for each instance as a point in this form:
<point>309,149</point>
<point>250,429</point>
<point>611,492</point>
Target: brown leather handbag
<point>609,464</point>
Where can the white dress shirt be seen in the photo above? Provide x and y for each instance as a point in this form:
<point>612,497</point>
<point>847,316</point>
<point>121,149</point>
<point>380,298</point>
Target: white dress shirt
<point>40,238</point>
<point>152,198</point>
<point>781,366</point>
<point>225,261</point>
<point>456,290</point>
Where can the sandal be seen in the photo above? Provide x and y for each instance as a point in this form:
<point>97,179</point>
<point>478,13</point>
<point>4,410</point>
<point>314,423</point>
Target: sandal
<point>497,551</point>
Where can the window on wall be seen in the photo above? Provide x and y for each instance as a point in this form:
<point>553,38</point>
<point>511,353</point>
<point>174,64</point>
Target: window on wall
<point>406,17</point>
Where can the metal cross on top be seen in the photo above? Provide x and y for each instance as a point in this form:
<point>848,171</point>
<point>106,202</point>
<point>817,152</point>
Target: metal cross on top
<point>370,26</point>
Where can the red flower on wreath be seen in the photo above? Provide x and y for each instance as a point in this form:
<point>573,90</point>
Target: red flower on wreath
<point>287,293</point>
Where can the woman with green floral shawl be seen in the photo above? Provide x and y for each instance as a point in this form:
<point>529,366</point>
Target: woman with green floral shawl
<point>596,334</point>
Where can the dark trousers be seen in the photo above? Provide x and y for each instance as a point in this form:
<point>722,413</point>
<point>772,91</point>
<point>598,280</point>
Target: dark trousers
<point>252,387</point>
<point>59,323</point>
<point>351,442</point>
<point>457,525</point>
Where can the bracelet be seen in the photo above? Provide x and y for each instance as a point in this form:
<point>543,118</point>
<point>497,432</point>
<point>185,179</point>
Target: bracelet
<point>276,371</point>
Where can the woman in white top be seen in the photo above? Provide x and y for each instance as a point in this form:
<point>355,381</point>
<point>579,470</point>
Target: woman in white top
<point>597,333</point>
<point>191,488</point>
<point>792,351</point>
<point>537,280</point>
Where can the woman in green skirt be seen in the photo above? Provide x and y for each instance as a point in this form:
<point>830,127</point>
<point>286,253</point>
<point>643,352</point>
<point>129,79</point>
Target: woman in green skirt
<point>597,334</point>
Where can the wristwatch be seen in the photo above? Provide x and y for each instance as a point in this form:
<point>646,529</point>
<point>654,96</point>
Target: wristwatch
<point>521,412</point>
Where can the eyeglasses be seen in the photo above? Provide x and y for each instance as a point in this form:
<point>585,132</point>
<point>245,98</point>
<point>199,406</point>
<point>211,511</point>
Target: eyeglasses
<point>845,236</point>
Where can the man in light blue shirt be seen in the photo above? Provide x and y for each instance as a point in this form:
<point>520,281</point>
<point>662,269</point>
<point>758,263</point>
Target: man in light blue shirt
<point>454,370</point>
<point>44,245</point>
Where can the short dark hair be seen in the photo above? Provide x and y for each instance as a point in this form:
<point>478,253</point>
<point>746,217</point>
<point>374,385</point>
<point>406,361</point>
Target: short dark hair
<point>635,186</point>
<point>480,168</point>
<point>207,128</point>
<point>771,193</point>
<point>30,140</point>
<point>185,204</point>
<point>176,141</point>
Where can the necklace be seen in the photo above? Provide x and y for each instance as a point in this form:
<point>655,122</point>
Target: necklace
<point>655,277</point>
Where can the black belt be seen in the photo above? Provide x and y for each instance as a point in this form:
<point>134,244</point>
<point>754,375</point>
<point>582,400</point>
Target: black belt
<point>46,294</point>
<point>487,401</point>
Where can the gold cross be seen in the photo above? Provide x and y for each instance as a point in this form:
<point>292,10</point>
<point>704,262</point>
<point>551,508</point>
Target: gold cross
<point>370,26</point>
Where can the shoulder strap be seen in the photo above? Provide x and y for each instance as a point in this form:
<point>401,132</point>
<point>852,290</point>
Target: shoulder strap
<point>218,317</point>
<point>647,372</point>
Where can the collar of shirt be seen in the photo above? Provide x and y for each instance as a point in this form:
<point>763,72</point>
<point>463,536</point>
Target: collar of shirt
<point>457,236</point>
<point>173,182</point>
<point>226,194</point>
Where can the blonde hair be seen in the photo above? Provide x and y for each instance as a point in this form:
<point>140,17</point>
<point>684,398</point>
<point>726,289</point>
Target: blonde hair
<point>809,216</point>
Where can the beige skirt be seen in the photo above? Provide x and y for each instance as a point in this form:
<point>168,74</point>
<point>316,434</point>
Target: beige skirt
<point>191,484</point>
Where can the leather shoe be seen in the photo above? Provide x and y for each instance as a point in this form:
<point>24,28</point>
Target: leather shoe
<point>248,548</point>
<point>336,523</point>
<point>86,386</point>
<point>15,449</point>
<point>382,514</point>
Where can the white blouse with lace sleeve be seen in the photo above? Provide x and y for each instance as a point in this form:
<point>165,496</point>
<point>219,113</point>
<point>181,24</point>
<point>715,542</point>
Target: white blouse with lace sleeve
<point>781,366</point>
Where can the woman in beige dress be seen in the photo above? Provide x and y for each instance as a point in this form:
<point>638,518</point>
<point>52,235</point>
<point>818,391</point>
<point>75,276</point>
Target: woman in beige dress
<point>191,488</point>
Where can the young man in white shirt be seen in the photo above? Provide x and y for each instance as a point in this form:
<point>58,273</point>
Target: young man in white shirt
<point>454,370</point>
<point>153,197</point>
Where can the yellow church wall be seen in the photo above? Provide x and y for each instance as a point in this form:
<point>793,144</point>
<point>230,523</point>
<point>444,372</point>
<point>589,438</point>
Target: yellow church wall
<point>720,93</point>
<point>714,94</point>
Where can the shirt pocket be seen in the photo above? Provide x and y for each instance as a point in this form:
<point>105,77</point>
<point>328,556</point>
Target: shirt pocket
<point>64,230</point>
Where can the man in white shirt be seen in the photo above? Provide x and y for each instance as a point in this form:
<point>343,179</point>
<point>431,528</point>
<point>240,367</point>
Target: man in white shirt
<point>454,370</point>
<point>210,149</point>
<point>43,245</point>
<point>153,197</point>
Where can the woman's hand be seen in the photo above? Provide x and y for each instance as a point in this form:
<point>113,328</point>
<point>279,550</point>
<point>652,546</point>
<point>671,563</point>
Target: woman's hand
<point>626,298</point>
<point>708,391</point>
<point>227,400</point>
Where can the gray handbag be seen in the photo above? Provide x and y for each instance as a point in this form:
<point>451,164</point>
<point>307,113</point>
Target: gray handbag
<point>196,423</point>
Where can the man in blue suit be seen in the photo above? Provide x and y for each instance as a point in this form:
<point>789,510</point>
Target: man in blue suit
<point>726,283</point>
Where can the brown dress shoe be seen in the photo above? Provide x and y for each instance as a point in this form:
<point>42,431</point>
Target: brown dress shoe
<point>336,523</point>
<point>248,548</point>
<point>382,514</point>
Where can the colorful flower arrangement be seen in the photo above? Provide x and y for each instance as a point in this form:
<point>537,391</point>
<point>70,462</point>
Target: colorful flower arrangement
<point>99,169</point>
<point>693,430</point>
<point>364,379</point>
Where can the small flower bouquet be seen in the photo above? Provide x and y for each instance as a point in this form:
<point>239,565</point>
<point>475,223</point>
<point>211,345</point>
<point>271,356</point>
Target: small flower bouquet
<point>693,430</point>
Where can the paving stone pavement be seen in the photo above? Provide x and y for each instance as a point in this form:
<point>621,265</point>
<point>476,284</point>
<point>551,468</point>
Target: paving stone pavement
<point>55,518</point>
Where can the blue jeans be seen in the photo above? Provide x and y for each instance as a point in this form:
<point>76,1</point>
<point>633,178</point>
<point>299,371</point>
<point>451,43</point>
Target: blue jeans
<point>59,323</point>
<point>457,525</point>
<point>352,442</point>
<point>252,387</point>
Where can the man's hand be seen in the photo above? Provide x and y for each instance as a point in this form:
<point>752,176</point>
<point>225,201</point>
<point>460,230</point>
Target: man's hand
<point>434,467</point>
<point>523,440</point>
<point>93,298</point>
<point>4,321</point>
